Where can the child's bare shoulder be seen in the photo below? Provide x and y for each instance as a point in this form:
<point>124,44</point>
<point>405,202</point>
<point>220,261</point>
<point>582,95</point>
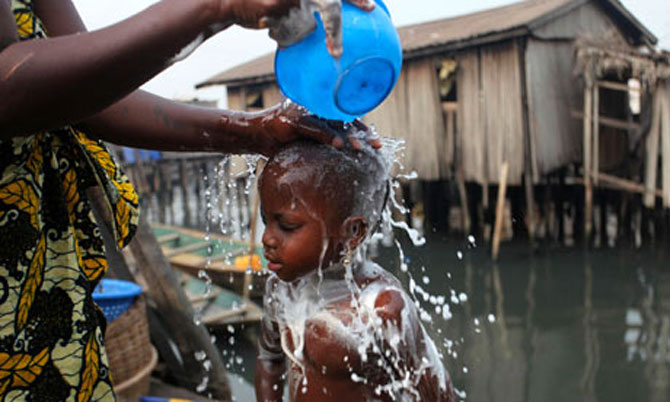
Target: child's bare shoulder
<point>384,293</point>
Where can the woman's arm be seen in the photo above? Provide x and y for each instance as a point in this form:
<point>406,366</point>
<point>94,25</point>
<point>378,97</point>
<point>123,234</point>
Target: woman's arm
<point>144,120</point>
<point>139,119</point>
<point>52,82</point>
<point>74,74</point>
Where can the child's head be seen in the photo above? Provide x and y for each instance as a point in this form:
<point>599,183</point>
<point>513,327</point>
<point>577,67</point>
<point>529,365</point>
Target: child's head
<point>316,202</point>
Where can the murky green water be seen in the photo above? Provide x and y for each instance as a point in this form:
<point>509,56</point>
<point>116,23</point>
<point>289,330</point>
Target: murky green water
<point>557,325</point>
<point>569,325</point>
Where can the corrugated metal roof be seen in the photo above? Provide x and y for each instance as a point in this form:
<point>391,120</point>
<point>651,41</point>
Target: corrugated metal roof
<point>455,32</point>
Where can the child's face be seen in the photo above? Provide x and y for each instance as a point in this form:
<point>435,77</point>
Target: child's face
<point>299,235</point>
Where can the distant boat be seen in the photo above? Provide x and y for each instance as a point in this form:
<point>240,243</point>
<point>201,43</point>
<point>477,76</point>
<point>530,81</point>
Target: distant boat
<point>224,260</point>
<point>218,307</point>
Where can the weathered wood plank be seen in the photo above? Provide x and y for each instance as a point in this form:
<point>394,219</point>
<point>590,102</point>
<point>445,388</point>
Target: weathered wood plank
<point>609,121</point>
<point>187,249</point>
<point>588,190</point>
<point>617,86</point>
<point>167,238</point>
<point>500,210</point>
<point>653,139</point>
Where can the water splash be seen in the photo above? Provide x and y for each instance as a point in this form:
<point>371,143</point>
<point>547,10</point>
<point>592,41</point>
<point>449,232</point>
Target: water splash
<point>367,324</point>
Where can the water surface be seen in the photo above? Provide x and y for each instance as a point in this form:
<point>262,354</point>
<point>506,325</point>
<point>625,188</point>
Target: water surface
<point>556,325</point>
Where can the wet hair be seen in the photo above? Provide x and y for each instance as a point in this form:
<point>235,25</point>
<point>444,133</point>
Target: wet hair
<point>348,182</point>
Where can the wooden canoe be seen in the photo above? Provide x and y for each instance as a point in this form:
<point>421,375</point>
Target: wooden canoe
<point>191,251</point>
<point>219,307</point>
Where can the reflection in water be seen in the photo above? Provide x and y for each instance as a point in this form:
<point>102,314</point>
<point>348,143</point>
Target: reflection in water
<point>562,327</point>
<point>558,326</point>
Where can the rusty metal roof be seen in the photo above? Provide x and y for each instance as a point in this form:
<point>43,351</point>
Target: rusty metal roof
<point>454,33</point>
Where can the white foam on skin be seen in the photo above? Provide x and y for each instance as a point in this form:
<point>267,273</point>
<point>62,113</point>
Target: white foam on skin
<point>403,351</point>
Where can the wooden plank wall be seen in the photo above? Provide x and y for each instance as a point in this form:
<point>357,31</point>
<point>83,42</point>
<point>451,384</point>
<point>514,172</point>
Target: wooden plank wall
<point>553,88</point>
<point>553,91</point>
<point>490,114</point>
<point>271,95</point>
<point>658,144</point>
<point>390,118</point>
<point>470,153</point>
<point>413,112</point>
<point>426,135</point>
<point>501,85</point>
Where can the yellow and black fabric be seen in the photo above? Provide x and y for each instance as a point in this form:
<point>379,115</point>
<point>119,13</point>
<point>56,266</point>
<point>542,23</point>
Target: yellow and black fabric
<point>52,256</point>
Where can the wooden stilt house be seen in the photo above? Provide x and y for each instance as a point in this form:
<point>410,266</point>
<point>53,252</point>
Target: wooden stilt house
<point>479,90</point>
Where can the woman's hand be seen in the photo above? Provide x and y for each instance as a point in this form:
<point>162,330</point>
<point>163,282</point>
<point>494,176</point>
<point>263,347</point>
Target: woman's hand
<point>255,13</point>
<point>331,15</point>
<point>279,17</point>
<point>284,123</point>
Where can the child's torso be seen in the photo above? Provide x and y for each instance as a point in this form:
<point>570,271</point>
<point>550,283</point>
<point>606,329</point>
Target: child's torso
<point>332,339</point>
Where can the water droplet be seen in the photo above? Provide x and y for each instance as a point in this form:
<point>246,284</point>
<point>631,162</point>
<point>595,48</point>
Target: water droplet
<point>200,355</point>
<point>491,318</point>
<point>459,255</point>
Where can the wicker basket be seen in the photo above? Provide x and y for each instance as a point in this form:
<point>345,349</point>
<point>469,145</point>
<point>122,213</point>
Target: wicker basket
<point>131,355</point>
<point>137,386</point>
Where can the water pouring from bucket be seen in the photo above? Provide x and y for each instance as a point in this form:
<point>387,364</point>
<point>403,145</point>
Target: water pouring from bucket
<point>351,85</point>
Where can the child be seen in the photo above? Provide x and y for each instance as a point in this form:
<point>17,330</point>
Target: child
<point>349,331</point>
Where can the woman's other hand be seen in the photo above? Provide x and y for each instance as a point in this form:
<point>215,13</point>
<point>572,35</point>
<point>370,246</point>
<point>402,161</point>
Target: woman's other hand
<point>331,15</point>
<point>255,13</point>
<point>275,13</point>
<point>288,122</point>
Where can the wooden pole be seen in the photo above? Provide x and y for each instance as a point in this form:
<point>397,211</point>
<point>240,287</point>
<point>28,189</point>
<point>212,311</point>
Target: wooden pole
<point>588,190</point>
<point>528,146</point>
<point>500,210</point>
<point>465,209</point>
<point>171,301</point>
<point>596,134</point>
<point>183,173</point>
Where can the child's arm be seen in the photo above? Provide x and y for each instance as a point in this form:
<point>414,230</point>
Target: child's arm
<point>412,353</point>
<point>270,364</point>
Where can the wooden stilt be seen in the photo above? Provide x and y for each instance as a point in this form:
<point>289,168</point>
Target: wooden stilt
<point>465,209</point>
<point>183,174</point>
<point>588,190</point>
<point>500,209</point>
<point>595,161</point>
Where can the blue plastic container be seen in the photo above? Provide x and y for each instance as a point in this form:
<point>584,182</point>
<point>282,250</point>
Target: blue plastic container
<point>115,297</point>
<point>351,86</point>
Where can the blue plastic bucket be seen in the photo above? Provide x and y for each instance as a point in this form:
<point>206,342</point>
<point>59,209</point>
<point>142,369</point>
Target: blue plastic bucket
<point>357,82</point>
<point>115,297</point>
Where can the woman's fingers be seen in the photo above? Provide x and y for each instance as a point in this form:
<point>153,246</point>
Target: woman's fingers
<point>331,15</point>
<point>365,5</point>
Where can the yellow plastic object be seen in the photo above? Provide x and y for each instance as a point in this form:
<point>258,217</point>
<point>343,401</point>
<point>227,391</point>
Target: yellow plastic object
<point>242,262</point>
